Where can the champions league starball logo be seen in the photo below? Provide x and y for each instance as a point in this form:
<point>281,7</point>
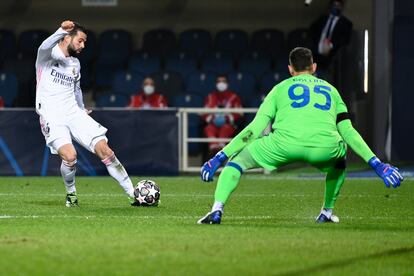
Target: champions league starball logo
<point>45,129</point>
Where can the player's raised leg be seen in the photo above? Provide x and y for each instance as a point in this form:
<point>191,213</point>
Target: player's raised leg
<point>227,183</point>
<point>114,167</point>
<point>67,153</point>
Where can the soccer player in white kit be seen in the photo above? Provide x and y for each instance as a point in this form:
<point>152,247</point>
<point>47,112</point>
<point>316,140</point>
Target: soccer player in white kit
<point>63,116</point>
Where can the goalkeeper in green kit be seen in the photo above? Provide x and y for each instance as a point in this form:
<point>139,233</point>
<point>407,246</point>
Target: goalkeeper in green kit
<point>310,123</point>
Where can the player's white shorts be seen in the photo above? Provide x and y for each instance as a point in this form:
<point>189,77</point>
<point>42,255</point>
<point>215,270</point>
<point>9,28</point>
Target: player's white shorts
<point>80,127</point>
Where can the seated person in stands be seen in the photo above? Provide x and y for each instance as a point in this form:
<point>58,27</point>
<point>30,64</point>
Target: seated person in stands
<point>148,97</point>
<point>221,125</point>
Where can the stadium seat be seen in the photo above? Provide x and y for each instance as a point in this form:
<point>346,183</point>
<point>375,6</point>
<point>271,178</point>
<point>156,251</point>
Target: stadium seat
<point>30,40</point>
<point>9,87</point>
<point>8,45</point>
<point>181,62</point>
<point>188,100</point>
<point>198,41</point>
<point>243,83</point>
<point>86,58</point>
<point>299,37</point>
<point>232,41</point>
<point>270,79</point>
<point>112,100</point>
<point>24,69</point>
<point>201,83</point>
<point>127,83</point>
<point>144,63</point>
<point>114,47</point>
<point>114,50</point>
<point>88,54</point>
<point>255,62</point>
<point>168,83</point>
<point>159,41</point>
<point>270,41</point>
<point>218,62</point>
<point>194,120</point>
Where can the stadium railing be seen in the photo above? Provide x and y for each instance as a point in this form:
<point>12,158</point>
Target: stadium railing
<point>184,138</point>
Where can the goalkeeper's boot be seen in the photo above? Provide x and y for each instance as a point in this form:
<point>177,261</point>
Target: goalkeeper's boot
<point>326,217</point>
<point>72,200</point>
<point>211,218</point>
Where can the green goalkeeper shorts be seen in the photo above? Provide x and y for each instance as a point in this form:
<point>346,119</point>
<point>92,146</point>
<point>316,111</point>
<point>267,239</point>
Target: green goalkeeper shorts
<point>272,154</point>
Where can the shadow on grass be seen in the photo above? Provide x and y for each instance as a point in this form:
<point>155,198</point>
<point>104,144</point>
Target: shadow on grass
<point>350,261</point>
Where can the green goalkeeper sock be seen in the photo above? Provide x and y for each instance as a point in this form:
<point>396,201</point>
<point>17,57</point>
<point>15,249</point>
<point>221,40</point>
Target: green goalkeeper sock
<point>334,180</point>
<point>227,183</point>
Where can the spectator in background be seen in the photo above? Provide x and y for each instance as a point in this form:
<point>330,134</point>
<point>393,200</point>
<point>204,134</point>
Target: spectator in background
<point>220,125</point>
<point>148,97</point>
<point>1,102</point>
<point>330,32</point>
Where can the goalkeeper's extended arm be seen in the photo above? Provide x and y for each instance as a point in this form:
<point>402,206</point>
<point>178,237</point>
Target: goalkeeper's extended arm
<point>247,135</point>
<point>389,174</point>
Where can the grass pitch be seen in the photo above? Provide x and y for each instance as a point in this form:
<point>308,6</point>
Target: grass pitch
<point>268,228</point>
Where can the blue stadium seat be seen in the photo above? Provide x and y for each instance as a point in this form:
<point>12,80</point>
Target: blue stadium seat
<point>9,87</point>
<point>194,120</point>
<point>232,41</point>
<point>181,62</point>
<point>86,58</point>
<point>299,37</point>
<point>255,62</point>
<point>243,83</point>
<point>198,41</point>
<point>23,68</point>
<point>268,40</point>
<point>88,54</point>
<point>159,41</point>
<point>270,79</point>
<point>114,47</point>
<point>218,62</point>
<point>112,100</point>
<point>8,45</point>
<point>168,83</point>
<point>201,83</point>
<point>114,50</point>
<point>30,40</point>
<point>145,63</point>
<point>188,100</point>
<point>127,83</point>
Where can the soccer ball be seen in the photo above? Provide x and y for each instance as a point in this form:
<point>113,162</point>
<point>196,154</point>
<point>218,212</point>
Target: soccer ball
<point>147,193</point>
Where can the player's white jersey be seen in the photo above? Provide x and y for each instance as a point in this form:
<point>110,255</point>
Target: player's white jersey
<point>58,92</point>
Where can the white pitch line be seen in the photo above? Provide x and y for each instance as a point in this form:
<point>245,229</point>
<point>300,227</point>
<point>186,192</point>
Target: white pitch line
<point>189,217</point>
<point>200,195</point>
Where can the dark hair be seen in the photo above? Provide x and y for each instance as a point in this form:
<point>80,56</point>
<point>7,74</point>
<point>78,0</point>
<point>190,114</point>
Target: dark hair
<point>301,59</point>
<point>77,28</point>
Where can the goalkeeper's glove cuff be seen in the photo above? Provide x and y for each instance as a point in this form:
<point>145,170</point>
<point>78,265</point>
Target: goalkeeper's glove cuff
<point>374,162</point>
<point>221,156</point>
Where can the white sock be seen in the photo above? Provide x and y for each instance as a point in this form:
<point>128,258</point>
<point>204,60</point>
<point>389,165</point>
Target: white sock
<point>117,171</point>
<point>217,206</point>
<point>68,171</point>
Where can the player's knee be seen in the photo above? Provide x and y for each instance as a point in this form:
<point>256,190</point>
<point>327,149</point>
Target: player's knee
<point>103,150</point>
<point>69,156</point>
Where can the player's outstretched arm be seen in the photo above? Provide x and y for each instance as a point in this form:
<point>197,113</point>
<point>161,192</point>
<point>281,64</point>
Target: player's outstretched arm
<point>248,134</point>
<point>389,174</point>
<point>45,49</point>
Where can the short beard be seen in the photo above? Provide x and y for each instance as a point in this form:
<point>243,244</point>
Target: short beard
<point>72,52</point>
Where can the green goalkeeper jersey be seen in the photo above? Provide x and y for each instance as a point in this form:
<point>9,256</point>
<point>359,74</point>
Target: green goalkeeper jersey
<point>304,109</point>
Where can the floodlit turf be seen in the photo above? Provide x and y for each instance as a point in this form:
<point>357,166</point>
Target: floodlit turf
<point>268,228</point>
